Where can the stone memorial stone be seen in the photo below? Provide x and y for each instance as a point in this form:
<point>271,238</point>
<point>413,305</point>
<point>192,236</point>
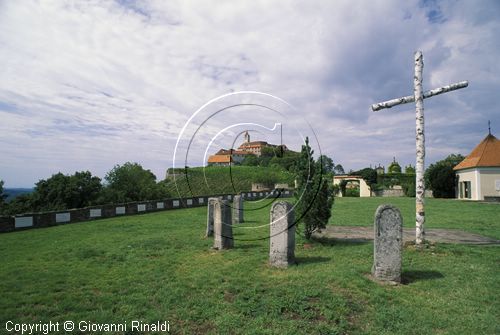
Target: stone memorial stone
<point>62,217</point>
<point>160,205</point>
<point>282,241</point>
<point>120,210</point>
<point>223,229</point>
<point>25,221</point>
<point>175,203</point>
<point>189,202</point>
<point>388,244</point>
<point>141,207</point>
<point>201,200</point>
<point>210,217</point>
<point>237,209</point>
<point>95,213</point>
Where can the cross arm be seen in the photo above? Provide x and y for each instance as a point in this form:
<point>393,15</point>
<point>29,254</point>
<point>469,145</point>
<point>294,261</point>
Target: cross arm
<point>427,94</point>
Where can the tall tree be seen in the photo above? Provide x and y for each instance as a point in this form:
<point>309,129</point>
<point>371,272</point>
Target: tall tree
<point>314,199</point>
<point>66,191</point>
<point>326,163</point>
<point>338,169</point>
<point>440,177</point>
<point>130,182</point>
<point>2,195</point>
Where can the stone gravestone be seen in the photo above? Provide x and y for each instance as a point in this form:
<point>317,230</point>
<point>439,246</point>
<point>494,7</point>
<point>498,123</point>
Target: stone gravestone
<point>282,249</point>
<point>388,244</point>
<point>238,209</point>
<point>223,229</point>
<point>210,217</point>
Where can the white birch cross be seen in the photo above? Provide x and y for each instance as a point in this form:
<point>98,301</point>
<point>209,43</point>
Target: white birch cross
<point>418,97</point>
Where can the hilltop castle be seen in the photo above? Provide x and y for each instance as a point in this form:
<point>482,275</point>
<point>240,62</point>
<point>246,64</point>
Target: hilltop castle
<point>226,157</point>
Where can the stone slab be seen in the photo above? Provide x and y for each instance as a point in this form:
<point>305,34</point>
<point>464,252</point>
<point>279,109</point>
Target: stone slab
<point>95,213</point>
<point>120,210</point>
<point>223,228</point>
<point>63,217</point>
<point>388,244</point>
<point>22,222</point>
<point>282,235</point>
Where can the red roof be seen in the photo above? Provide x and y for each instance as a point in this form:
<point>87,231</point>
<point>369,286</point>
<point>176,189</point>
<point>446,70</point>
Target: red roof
<point>485,154</point>
<point>219,159</point>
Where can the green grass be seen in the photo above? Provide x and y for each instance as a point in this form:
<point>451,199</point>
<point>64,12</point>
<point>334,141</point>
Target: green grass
<point>224,180</point>
<point>475,217</point>
<point>159,267</point>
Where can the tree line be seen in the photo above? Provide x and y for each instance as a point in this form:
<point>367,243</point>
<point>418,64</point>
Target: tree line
<point>439,177</point>
<point>124,183</point>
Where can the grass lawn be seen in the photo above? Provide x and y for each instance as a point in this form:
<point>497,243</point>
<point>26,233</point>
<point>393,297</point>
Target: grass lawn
<point>158,267</point>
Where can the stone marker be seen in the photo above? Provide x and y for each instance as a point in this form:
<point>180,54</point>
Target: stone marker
<point>388,244</point>
<point>223,229</point>
<point>210,217</point>
<point>238,209</point>
<point>282,249</point>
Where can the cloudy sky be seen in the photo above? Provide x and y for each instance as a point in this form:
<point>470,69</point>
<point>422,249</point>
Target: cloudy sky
<point>85,85</point>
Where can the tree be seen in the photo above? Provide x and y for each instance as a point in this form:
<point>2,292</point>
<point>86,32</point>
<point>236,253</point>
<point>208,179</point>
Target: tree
<point>338,169</point>
<point>440,177</point>
<point>2,195</point>
<point>21,204</point>
<point>314,196</point>
<point>326,164</point>
<point>65,191</point>
<point>130,182</point>
<point>250,160</point>
<point>369,175</point>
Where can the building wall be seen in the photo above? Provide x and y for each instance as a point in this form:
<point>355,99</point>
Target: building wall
<point>364,189</point>
<point>489,181</point>
<point>472,176</point>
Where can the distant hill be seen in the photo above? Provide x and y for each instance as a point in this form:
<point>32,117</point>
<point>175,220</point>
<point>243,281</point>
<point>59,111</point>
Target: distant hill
<point>225,179</point>
<point>14,192</point>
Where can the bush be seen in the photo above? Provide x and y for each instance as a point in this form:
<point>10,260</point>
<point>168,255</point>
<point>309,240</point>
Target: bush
<point>440,177</point>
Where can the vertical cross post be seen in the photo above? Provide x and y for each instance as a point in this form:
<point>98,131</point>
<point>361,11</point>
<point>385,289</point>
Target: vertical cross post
<point>420,146</point>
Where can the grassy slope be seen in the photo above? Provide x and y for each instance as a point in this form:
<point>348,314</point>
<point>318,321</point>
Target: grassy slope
<point>159,267</point>
<point>223,180</point>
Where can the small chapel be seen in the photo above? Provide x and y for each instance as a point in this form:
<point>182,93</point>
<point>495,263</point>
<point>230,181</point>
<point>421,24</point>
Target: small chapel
<point>478,175</point>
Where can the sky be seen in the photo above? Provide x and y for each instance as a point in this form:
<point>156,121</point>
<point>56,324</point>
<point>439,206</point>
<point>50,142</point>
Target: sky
<point>87,85</point>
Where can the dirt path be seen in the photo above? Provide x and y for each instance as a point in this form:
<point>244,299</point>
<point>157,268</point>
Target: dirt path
<point>357,233</point>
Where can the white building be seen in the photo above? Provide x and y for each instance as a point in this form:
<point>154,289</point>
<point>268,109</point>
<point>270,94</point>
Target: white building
<point>478,175</point>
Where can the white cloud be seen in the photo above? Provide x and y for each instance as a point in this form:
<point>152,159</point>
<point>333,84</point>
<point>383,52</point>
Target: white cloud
<point>93,84</point>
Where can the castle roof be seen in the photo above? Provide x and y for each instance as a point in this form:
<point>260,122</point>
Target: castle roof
<point>485,154</point>
<point>254,143</point>
<point>232,151</point>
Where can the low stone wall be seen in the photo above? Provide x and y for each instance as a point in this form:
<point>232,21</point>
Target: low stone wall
<point>388,193</point>
<point>54,218</point>
<point>396,193</point>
